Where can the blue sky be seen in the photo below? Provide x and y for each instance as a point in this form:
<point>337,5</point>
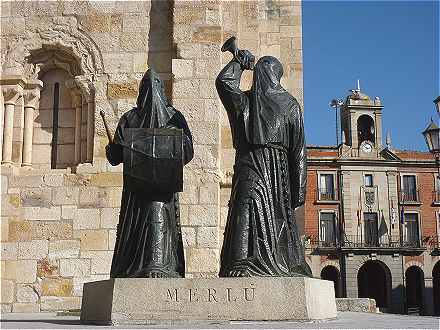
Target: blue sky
<point>391,46</point>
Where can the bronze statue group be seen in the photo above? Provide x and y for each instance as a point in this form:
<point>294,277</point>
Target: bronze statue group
<point>153,142</point>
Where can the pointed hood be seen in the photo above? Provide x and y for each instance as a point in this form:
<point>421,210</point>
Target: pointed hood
<point>270,103</point>
<point>152,103</point>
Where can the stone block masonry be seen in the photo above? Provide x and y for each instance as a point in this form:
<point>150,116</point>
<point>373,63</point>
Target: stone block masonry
<point>58,226</point>
<point>53,238</point>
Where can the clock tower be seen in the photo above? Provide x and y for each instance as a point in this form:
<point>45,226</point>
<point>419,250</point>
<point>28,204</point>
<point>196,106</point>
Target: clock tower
<point>361,125</point>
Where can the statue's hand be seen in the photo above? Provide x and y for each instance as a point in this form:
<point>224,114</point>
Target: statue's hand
<point>246,59</point>
<point>110,149</point>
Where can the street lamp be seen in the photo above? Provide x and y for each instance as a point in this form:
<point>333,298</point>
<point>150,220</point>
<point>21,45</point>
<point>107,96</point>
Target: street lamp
<point>437,104</point>
<point>335,104</point>
<point>432,138</point>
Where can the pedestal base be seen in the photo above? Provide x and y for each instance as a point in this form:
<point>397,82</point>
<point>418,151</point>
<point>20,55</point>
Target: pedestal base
<point>153,300</point>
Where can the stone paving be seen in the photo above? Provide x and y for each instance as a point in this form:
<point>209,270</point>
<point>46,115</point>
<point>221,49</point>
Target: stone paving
<point>345,320</point>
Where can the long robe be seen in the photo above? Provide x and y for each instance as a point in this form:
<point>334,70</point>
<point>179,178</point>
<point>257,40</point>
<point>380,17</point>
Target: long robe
<point>261,236</point>
<point>149,238</point>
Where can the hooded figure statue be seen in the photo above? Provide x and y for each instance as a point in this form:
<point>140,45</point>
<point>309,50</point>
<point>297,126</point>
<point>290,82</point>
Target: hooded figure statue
<point>261,236</point>
<point>149,238</point>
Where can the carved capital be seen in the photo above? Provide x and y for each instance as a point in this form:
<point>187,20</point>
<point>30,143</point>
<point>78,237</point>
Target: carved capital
<point>76,98</point>
<point>31,98</point>
<point>86,87</point>
<point>11,94</point>
<point>32,93</point>
<point>71,84</point>
<point>75,92</point>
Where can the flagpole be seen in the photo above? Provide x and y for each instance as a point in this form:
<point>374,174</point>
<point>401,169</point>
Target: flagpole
<point>401,212</point>
<point>360,215</point>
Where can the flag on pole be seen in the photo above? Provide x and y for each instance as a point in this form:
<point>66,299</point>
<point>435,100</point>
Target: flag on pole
<point>402,215</point>
<point>393,214</point>
<point>359,211</point>
<point>383,228</point>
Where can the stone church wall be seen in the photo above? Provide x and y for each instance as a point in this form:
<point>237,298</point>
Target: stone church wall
<point>58,226</point>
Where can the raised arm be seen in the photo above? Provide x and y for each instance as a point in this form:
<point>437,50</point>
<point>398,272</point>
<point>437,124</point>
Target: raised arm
<point>298,158</point>
<point>228,88</point>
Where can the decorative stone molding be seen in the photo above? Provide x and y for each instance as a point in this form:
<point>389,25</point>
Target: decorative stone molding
<point>66,35</point>
<point>47,59</point>
<point>31,70</point>
<point>79,43</point>
<point>330,263</point>
<point>414,263</point>
<point>378,259</point>
<point>76,98</point>
<point>86,87</point>
<point>14,60</point>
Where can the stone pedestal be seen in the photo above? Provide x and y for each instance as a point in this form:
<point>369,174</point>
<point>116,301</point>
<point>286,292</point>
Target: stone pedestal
<point>151,300</point>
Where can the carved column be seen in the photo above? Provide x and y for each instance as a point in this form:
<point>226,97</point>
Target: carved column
<point>90,128</point>
<point>2,117</point>
<point>83,129</point>
<point>31,99</point>
<point>11,95</point>
<point>77,104</point>
<point>88,94</point>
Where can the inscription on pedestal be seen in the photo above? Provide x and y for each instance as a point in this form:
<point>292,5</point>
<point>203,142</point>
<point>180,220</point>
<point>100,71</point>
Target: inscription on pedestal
<point>211,295</point>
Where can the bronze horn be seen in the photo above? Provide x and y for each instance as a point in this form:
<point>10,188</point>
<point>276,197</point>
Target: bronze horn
<point>231,46</point>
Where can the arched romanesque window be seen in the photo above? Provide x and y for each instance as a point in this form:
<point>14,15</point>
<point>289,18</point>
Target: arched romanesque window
<point>69,64</point>
<point>63,123</point>
<point>54,123</point>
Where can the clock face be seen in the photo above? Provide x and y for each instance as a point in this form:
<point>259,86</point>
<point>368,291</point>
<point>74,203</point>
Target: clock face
<point>366,147</point>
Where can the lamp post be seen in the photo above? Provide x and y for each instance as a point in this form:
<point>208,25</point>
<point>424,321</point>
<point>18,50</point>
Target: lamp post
<point>432,138</point>
<point>335,104</point>
<point>437,104</point>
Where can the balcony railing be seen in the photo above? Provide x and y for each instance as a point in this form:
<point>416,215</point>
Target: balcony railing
<point>384,242</point>
<point>411,243</point>
<point>324,194</point>
<point>410,196</point>
<point>318,242</point>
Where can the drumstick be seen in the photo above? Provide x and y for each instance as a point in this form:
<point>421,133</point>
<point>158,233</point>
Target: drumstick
<point>107,130</point>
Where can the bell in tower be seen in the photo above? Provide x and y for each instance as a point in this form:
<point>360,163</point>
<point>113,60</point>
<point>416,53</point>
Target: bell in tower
<point>361,124</point>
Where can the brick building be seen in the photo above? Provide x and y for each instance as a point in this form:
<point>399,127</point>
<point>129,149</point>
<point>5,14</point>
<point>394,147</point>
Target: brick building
<point>59,196</point>
<point>372,215</point>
